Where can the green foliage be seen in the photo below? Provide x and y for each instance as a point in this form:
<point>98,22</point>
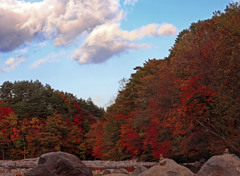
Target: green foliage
<point>37,119</point>
<point>185,106</point>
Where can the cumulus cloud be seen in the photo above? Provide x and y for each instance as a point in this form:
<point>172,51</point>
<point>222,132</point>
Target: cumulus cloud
<point>63,21</point>
<point>11,35</point>
<point>66,21</point>
<point>108,39</point>
<point>12,63</point>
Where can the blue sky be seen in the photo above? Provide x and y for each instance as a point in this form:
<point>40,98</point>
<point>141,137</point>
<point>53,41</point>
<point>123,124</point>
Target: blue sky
<point>85,47</point>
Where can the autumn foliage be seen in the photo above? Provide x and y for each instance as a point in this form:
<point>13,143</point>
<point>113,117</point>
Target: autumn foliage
<point>61,126</point>
<point>185,106</point>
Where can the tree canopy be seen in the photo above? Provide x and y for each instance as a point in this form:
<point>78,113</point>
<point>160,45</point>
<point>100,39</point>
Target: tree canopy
<point>36,119</point>
<point>185,106</point>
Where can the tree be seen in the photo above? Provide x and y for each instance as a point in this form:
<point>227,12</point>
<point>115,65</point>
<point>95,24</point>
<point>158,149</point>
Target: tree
<point>8,126</point>
<point>96,140</point>
<point>130,139</point>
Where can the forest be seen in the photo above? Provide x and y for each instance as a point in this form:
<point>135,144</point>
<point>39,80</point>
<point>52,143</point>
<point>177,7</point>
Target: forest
<point>35,119</point>
<point>185,106</point>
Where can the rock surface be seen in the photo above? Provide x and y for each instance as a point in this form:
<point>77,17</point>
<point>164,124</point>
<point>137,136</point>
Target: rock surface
<point>139,170</point>
<point>222,165</point>
<point>120,171</point>
<point>216,166</point>
<point>106,172</point>
<point>59,164</point>
<point>114,174</point>
<point>19,167</point>
<point>167,167</point>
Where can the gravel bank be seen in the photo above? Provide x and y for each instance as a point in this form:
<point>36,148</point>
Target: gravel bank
<point>19,167</point>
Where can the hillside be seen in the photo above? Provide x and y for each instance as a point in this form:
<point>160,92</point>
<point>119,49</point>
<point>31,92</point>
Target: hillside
<point>35,119</point>
<point>185,106</point>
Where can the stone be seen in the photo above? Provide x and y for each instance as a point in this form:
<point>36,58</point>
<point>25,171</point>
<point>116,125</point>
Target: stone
<point>226,151</point>
<point>105,172</point>
<point>115,174</point>
<point>221,165</point>
<point>167,167</point>
<point>59,164</point>
<point>120,171</point>
<point>139,170</point>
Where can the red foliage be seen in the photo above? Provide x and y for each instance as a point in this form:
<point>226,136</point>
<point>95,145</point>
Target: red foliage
<point>159,143</point>
<point>79,116</point>
<point>95,137</point>
<point>4,110</point>
<point>195,97</point>
<point>130,139</point>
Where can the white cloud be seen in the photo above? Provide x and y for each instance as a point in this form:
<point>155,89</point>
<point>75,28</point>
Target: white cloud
<point>108,40</point>
<point>130,2</point>
<point>65,21</point>
<point>41,44</point>
<point>37,63</point>
<point>97,99</point>
<point>12,63</point>
<point>22,51</point>
<point>50,58</point>
<point>167,29</point>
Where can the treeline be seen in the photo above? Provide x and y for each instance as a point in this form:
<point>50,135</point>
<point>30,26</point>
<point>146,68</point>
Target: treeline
<point>186,106</point>
<point>35,119</point>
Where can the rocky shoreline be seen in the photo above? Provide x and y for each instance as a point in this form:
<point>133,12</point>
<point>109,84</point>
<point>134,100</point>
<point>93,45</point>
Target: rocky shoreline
<point>220,165</point>
<point>19,167</point>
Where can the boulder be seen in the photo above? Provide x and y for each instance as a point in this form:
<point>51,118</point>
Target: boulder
<point>139,170</point>
<point>221,165</point>
<point>115,174</point>
<point>120,171</point>
<point>167,167</point>
<point>106,172</point>
<point>59,164</point>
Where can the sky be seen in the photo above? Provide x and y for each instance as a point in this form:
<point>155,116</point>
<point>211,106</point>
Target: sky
<point>85,47</point>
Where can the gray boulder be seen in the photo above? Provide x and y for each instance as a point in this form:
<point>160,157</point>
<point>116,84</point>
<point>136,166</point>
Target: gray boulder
<point>167,167</point>
<point>116,174</point>
<point>106,172</point>
<point>120,171</point>
<point>222,165</point>
<point>59,164</point>
<point>139,170</point>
